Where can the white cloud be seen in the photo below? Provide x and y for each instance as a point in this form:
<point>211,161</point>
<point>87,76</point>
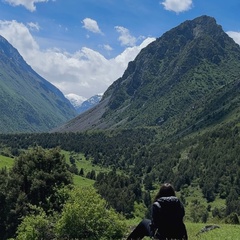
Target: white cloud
<point>33,26</point>
<point>235,36</point>
<point>126,39</point>
<point>91,25</point>
<point>130,53</point>
<point>85,73</point>
<point>177,5</point>
<point>28,4</point>
<point>19,36</point>
<point>107,47</point>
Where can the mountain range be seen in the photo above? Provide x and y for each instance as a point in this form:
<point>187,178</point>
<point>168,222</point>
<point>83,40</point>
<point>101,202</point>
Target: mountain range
<point>185,80</point>
<point>28,102</point>
<point>81,104</point>
<point>188,79</point>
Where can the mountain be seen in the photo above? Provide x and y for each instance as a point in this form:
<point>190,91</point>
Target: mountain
<point>89,103</point>
<point>81,104</point>
<point>28,103</point>
<point>75,99</point>
<point>178,83</point>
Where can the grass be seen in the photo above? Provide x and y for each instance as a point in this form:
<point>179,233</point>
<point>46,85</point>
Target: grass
<point>6,162</point>
<point>82,162</point>
<point>80,181</point>
<point>86,165</point>
<point>224,232</point>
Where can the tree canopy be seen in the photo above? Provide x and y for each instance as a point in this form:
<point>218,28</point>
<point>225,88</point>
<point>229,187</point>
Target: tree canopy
<point>34,179</point>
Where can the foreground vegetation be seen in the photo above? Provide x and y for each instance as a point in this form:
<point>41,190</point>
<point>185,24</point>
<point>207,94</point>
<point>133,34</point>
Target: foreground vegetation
<point>85,202</point>
<point>39,201</point>
<point>124,169</point>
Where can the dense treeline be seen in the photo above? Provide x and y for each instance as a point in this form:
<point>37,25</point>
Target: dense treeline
<point>209,160</point>
<point>96,144</point>
<point>215,161</point>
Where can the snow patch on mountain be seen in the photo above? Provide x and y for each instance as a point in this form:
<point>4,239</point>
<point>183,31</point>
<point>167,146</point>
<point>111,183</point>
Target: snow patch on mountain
<point>75,99</point>
<point>82,104</point>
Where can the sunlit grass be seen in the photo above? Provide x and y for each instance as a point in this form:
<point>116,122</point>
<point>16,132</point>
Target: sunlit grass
<point>225,231</point>
<point>82,162</point>
<point>6,162</point>
<point>80,181</point>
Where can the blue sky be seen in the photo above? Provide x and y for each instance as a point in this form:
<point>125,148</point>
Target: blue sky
<point>82,46</point>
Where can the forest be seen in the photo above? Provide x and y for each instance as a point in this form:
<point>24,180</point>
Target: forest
<point>134,163</point>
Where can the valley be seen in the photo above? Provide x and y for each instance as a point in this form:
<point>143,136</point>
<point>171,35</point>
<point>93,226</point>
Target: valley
<point>173,116</point>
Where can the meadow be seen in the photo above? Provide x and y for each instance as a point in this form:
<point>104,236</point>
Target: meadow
<point>6,162</point>
<point>224,232</point>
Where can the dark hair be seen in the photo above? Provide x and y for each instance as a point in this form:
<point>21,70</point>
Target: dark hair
<point>166,190</point>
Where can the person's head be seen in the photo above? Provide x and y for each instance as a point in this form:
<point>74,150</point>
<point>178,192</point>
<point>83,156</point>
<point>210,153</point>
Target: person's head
<point>166,190</point>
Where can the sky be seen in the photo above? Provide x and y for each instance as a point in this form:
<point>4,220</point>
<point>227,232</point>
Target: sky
<point>83,46</point>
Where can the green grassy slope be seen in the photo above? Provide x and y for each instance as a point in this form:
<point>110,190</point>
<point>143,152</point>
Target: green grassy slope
<point>6,162</point>
<point>28,103</point>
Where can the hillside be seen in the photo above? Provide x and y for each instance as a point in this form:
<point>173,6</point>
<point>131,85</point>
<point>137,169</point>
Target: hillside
<point>28,103</point>
<point>175,84</point>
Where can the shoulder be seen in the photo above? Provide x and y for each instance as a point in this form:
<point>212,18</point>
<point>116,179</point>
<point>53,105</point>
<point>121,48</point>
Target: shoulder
<point>167,199</point>
<point>163,201</point>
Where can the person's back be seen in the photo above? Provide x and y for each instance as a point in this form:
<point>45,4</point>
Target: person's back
<point>167,218</point>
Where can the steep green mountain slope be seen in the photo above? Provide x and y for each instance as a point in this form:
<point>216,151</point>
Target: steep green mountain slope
<point>172,84</point>
<point>28,103</point>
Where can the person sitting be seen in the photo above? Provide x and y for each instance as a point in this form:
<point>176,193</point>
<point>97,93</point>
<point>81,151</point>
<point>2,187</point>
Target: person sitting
<point>167,218</point>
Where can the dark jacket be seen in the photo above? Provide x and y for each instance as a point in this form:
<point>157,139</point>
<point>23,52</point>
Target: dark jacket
<point>167,218</point>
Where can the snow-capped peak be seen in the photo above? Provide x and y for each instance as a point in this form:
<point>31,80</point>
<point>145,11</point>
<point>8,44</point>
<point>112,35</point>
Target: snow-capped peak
<point>82,104</point>
<point>75,99</point>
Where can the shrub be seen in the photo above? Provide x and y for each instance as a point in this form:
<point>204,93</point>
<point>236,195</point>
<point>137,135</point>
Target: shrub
<point>34,227</point>
<point>232,219</point>
<point>86,216</point>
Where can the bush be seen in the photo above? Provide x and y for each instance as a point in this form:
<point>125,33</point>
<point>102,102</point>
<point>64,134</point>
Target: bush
<point>198,212</point>
<point>86,216</point>
<point>34,227</point>
<point>232,219</point>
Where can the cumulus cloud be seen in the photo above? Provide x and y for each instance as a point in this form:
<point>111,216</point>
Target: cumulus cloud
<point>235,36</point>
<point>28,4</point>
<point>130,53</point>
<point>91,25</point>
<point>177,5</point>
<point>85,72</point>
<point>19,36</point>
<point>126,39</point>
